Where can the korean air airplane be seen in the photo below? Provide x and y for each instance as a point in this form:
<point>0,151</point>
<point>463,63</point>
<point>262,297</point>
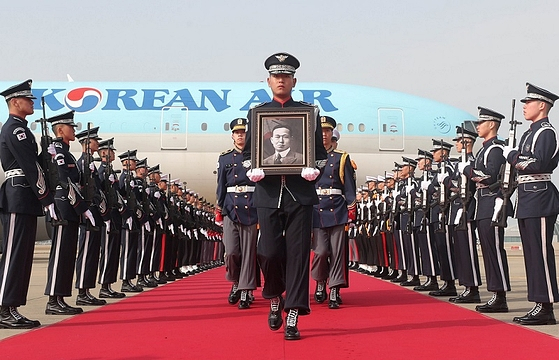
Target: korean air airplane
<point>185,126</point>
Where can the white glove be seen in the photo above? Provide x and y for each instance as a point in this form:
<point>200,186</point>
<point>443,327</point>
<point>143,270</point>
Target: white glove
<point>172,229</point>
<point>160,223</point>
<point>462,166</point>
<point>425,185</point>
<point>112,178</point>
<point>51,150</point>
<point>148,190</point>
<point>157,195</point>
<point>409,189</point>
<point>132,184</point>
<point>441,177</point>
<point>507,150</point>
<point>129,223</point>
<point>255,175</point>
<point>310,174</point>
<point>181,228</point>
<point>92,166</point>
<point>108,226</point>
<point>89,216</point>
<point>50,209</point>
<point>246,164</point>
<point>172,199</point>
<point>147,227</point>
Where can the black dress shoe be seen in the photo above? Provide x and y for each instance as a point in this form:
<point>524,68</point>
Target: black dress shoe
<point>169,276</point>
<point>250,297</point>
<point>244,303</point>
<point>10,318</point>
<point>339,297</point>
<point>541,314</point>
<point>141,281</point>
<point>446,290</point>
<point>497,304</point>
<point>468,296</point>
<point>429,285</point>
<point>275,316</point>
<point>333,299</point>
<point>412,282</point>
<point>383,272</point>
<point>161,279</point>
<point>320,292</point>
<point>391,275</point>
<point>291,331</point>
<point>89,300</point>
<point>57,306</point>
<point>110,294</point>
<point>234,295</point>
<point>127,286</point>
<point>401,278</point>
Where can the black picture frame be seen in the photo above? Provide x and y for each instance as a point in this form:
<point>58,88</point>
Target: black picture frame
<point>272,129</point>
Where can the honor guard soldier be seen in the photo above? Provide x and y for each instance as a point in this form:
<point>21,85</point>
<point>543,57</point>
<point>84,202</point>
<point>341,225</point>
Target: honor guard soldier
<point>485,174</point>
<point>238,214</point>
<point>130,224</point>
<point>461,218</point>
<point>535,159</point>
<point>424,228</point>
<point>439,220</point>
<point>23,195</point>
<point>367,217</point>
<point>285,205</point>
<point>147,224</point>
<point>74,209</point>
<point>335,188</point>
<point>110,235</point>
<point>160,214</point>
<point>89,240</point>
<point>411,248</point>
<point>397,230</point>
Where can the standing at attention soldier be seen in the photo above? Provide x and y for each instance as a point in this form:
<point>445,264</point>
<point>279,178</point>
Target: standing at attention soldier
<point>535,159</point>
<point>23,195</point>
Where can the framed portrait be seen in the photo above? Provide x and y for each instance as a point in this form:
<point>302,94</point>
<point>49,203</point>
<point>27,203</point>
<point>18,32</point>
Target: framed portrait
<point>283,139</point>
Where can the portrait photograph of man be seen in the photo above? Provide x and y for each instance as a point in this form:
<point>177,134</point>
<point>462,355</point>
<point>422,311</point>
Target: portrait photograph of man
<point>286,142</point>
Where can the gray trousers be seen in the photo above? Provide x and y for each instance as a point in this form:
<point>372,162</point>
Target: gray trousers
<point>329,261</point>
<point>240,253</point>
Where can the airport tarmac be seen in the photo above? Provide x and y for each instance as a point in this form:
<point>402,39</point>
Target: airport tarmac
<point>517,302</point>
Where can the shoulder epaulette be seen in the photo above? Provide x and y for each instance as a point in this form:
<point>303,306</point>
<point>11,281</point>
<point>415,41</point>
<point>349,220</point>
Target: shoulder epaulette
<point>227,151</point>
<point>499,142</point>
<point>307,103</point>
<point>58,144</point>
<point>339,151</point>
<point>261,104</point>
<point>546,124</point>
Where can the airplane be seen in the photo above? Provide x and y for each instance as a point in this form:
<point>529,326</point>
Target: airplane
<point>185,126</point>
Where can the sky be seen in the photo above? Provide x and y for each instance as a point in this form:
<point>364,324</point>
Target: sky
<point>466,54</point>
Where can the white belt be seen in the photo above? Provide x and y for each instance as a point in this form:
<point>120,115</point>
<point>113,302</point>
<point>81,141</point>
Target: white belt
<point>481,186</point>
<point>328,192</point>
<point>523,179</point>
<point>240,189</point>
<point>13,173</point>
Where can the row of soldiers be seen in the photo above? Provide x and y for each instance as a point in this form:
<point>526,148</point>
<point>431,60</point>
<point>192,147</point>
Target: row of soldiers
<point>151,227</point>
<point>423,219</point>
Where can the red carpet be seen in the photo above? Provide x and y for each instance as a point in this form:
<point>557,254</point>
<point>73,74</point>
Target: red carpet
<point>190,319</point>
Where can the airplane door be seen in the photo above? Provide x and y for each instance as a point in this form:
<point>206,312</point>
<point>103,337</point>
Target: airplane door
<point>391,129</point>
<point>174,122</point>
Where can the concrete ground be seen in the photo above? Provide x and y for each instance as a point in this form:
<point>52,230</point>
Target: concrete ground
<point>517,302</point>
